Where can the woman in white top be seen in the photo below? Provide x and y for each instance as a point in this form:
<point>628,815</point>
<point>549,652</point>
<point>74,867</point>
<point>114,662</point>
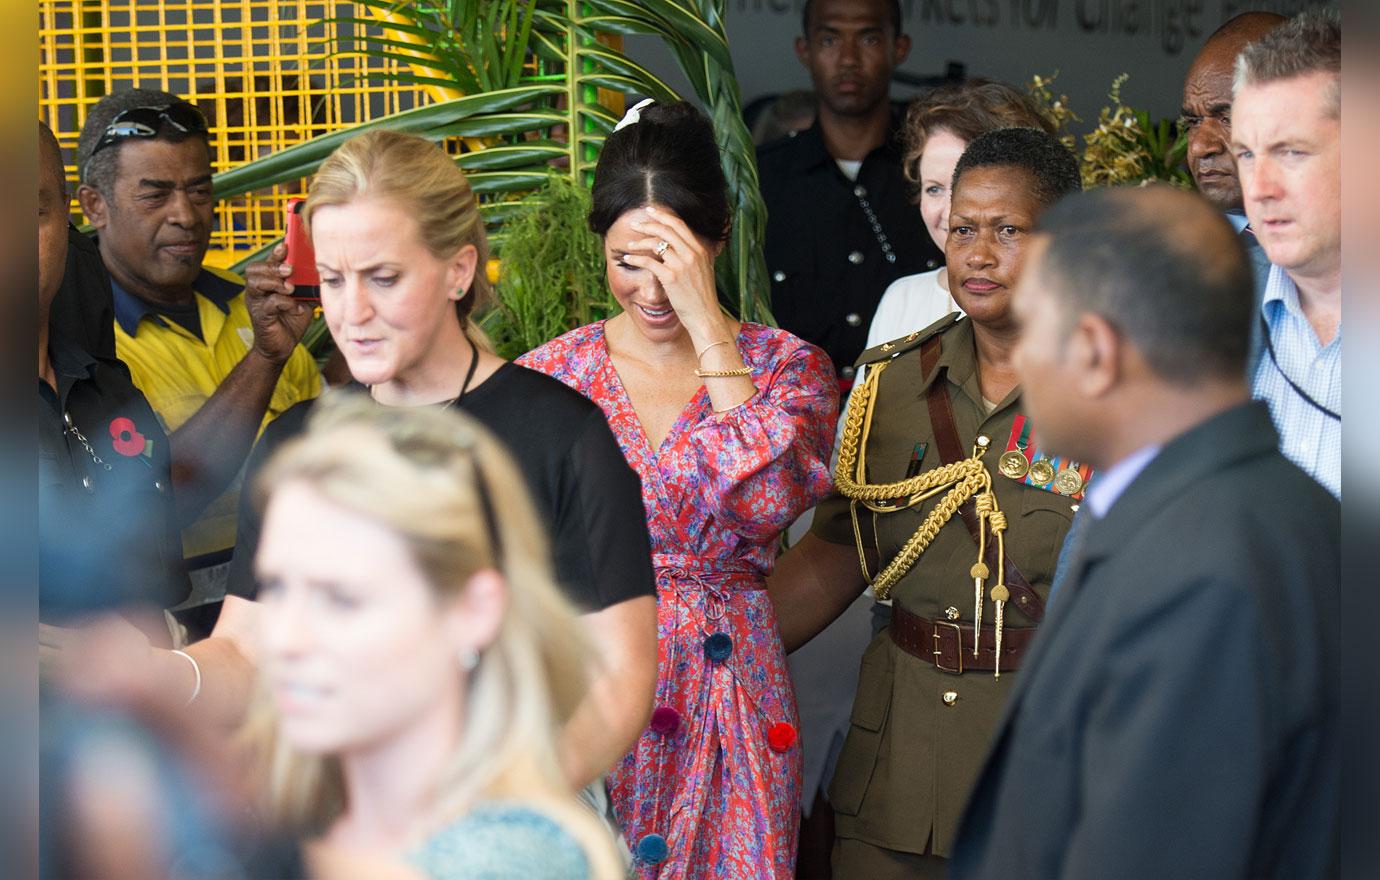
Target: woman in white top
<point>939,126</point>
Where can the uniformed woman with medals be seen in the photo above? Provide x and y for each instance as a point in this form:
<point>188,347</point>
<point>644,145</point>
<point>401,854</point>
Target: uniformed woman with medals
<point>946,504</point>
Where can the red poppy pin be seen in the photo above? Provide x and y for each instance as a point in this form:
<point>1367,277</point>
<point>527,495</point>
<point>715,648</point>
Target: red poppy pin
<point>126,439</point>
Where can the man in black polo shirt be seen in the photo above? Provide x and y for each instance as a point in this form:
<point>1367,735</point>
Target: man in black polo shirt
<point>107,539</point>
<point>841,223</point>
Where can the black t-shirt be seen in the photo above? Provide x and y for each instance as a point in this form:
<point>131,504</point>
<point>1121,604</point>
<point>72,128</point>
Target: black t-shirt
<point>107,532</point>
<point>582,486</point>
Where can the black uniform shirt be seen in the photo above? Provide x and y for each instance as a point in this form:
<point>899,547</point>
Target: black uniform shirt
<point>107,532</point>
<point>824,251</point>
<point>582,487</point>
<point>82,311</point>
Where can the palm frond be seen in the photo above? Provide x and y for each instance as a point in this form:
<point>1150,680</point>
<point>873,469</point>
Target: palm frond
<point>538,83</point>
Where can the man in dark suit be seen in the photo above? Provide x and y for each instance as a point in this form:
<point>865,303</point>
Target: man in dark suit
<point>1176,716</point>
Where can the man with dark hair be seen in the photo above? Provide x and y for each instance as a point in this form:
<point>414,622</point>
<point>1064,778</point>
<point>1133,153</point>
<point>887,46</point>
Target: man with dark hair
<point>216,362</point>
<point>841,224</point>
<point>1286,138</point>
<point>945,497</point>
<point>1175,716</point>
<point>1207,110</point>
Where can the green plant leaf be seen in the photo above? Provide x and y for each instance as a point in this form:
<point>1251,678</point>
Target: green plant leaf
<point>270,169</point>
<point>546,125</point>
<point>486,182</point>
<point>511,156</point>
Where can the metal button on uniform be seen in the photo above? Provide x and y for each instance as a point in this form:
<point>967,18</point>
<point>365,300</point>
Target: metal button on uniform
<point>983,441</point>
<point>778,276</point>
<point>950,697</point>
<point>847,372</point>
<point>855,257</point>
<point>86,482</point>
<point>860,191</point>
<point>951,613</point>
<point>931,263</point>
<point>158,484</point>
<point>853,319</point>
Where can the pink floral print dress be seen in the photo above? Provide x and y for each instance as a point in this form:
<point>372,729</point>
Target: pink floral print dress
<point>711,789</point>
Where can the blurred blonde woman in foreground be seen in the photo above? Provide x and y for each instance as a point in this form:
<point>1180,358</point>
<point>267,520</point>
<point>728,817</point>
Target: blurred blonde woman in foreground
<point>418,660</point>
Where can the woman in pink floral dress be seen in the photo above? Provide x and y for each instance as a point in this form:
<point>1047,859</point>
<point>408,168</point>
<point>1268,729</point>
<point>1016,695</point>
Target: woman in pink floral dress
<point>729,426</point>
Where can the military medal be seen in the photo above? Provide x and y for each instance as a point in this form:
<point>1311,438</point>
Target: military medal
<point>1041,472</point>
<point>1068,481</point>
<point>1014,464</point>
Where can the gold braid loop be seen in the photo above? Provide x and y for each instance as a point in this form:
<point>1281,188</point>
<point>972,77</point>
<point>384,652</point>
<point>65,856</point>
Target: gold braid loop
<point>910,553</point>
<point>960,480</point>
<point>985,503</point>
<point>997,522</point>
<point>848,474</point>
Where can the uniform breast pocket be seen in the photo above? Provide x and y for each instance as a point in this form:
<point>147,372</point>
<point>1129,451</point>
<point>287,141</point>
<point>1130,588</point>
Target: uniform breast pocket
<point>858,760</point>
<point>1045,520</point>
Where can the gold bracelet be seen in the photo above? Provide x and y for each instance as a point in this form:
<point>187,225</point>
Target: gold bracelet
<point>700,356</point>
<point>722,374</point>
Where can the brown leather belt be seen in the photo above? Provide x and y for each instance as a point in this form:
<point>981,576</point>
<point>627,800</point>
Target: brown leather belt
<point>949,644</point>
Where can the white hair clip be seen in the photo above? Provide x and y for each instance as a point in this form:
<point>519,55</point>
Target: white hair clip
<point>633,116</point>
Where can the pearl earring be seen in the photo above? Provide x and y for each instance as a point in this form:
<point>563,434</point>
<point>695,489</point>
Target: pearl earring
<point>469,659</point>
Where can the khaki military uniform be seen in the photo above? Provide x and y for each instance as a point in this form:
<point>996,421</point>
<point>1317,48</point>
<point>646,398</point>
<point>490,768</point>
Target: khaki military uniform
<point>919,733</point>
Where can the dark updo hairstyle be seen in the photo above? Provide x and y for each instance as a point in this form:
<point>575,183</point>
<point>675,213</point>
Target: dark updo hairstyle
<point>668,157</point>
<point>1038,153</point>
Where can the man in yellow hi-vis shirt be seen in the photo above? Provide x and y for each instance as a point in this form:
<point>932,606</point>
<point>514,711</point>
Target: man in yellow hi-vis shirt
<point>217,362</point>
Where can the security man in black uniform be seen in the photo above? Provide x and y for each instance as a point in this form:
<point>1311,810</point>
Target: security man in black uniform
<point>107,539</point>
<point>841,222</point>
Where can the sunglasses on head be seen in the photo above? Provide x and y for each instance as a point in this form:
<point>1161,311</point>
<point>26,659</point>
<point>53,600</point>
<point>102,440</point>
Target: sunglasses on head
<point>146,122</point>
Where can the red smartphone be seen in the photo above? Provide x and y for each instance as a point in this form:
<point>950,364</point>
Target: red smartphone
<point>306,283</point>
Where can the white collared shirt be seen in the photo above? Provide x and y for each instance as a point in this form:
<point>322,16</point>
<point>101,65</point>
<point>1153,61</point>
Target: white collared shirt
<point>1308,437</point>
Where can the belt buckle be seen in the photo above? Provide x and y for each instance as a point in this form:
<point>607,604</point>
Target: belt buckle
<point>958,641</point>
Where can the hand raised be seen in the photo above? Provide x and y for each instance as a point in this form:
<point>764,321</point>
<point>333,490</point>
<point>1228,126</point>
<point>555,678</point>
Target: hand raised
<point>279,320</point>
<point>684,266</point>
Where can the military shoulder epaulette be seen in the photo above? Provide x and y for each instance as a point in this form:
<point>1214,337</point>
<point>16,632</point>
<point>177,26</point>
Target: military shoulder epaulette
<point>888,350</point>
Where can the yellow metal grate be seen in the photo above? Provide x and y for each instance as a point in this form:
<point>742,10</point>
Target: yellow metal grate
<point>263,73</point>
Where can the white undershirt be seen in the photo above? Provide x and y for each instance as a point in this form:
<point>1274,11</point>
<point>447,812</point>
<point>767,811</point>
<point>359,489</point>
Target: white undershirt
<point>850,167</point>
